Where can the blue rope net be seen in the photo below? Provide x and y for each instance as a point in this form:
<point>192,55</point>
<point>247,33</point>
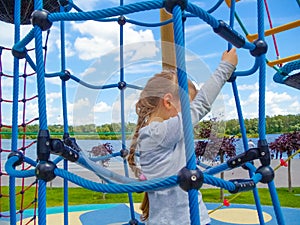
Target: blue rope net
<point>68,150</point>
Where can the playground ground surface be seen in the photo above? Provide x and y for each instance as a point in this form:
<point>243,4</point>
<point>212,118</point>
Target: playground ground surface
<point>119,214</point>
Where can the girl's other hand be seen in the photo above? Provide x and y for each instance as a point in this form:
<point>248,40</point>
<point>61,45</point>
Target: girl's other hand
<point>230,56</point>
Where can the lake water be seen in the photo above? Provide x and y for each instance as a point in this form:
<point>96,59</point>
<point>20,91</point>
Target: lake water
<point>86,145</point>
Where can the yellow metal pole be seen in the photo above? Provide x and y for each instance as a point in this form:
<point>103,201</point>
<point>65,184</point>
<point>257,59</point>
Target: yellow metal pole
<point>167,42</point>
<point>275,30</point>
<point>283,60</point>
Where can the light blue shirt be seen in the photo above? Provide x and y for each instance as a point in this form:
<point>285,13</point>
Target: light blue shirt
<point>162,154</point>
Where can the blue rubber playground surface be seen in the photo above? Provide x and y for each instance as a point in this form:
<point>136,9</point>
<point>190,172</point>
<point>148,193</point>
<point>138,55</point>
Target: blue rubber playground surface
<point>119,214</point>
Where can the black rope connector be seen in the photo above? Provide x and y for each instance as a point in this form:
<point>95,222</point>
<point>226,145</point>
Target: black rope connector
<point>121,20</point>
<point>124,153</point>
<point>264,152</point>
<point>133,222</point>
<point>43,145</point>
<point>19,54</point>
<point>190,179</point>
<point>67,4</point>
<point>261,47</point>
<point>251,154</point>
<point>40,18</point>
<point>230,35</point>
<point>122,85</point>
<point>58,148</point>
<point>66,76</point>
<point>242,185</point>
<point>45,171</point>
<point>20,157</point>
<point>71,142</point>
<point>267,174</point>
<point>170,4</point>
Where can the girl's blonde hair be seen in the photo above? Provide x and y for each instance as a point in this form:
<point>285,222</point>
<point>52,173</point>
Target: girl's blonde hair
<point>155,89</point>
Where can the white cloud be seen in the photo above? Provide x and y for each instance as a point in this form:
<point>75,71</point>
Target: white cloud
<point>276,103</point>
<point>250,87</point>
<point>101,107</point>
<point>69,51</point>
<point>88,71</point>
<point>196,28</point>
<point>211,55</point>
<point>51,97</point>
<point>99,38</point>
<point>129,108</point>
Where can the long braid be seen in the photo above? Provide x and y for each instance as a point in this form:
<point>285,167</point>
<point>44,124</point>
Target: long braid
<point>144,110</point>
<point>150,97</point>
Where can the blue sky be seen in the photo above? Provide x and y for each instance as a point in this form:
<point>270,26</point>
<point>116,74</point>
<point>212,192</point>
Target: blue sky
<point>92,55</point>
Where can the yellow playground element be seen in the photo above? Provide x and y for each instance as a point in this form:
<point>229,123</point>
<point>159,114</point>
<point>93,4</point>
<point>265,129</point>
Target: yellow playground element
<point>228,2</point>
<point>283,60</point>
<point>275,30</point>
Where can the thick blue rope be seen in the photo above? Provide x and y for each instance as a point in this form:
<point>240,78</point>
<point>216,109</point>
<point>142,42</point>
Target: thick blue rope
<point>185,108</point>
<point>276,205</point>
<point>42,202</point>
<point>20,45</point>
<point>250,71</point>
<point>149,24</point>
<point>181,71</point>
<point>14,141</point>
<point>118,188</point>
<point>65,114</point>
<point>40,78</point>
<point>262,73</point>
<point>282,75</point>
<point>202,14</point>
<point>213,22</point>
<point>110,12</point>
<point>216,169</point>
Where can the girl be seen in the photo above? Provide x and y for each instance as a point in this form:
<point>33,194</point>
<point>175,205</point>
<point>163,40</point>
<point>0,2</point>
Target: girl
<point>160,142</point>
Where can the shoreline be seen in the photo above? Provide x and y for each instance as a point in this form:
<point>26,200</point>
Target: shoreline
<point>280,179</point>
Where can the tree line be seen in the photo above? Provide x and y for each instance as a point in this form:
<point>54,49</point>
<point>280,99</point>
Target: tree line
<point>274,125</point>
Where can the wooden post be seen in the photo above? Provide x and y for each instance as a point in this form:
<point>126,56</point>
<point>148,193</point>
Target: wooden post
<point>167,42</point>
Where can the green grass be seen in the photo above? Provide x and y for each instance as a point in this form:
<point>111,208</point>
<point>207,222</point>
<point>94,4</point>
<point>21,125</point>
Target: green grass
<point>80,196</point>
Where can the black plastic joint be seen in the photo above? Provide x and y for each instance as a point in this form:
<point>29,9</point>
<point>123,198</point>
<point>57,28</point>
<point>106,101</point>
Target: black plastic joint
<point>66,76</point>
<point>244,157</point>
<point>230,35</point>
<point>45,171</point>
<point>264,152</point>
<point>19,54</point>
<point>66,136</point>
<point>232,78</point>
<point>124,153</point>
<point>133,222</point>
<point>43,145</point>
<point>66,4</point>
<point>70,154</point>
<point>20,158</point>
<point>58,148</point>
<point>71,142</point>
<point>121,20</point>
<point>190,179</point>
<point>242,185</point>
<point>122,85</point>
<point>40,18</point>
<point>267,174</point>
<point>261,47</point>
<point>170,4</point>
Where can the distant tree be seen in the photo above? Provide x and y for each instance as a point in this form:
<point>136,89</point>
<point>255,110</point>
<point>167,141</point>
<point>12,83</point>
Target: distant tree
<point>212,145</point>
<point>286,143</point>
